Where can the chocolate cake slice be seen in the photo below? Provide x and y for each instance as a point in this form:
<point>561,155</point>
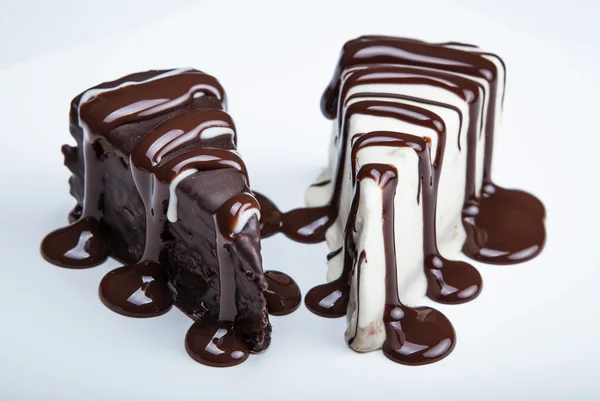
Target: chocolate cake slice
<point>161,187</point>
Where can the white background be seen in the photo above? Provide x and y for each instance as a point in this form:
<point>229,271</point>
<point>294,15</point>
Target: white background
<point>533,334</point>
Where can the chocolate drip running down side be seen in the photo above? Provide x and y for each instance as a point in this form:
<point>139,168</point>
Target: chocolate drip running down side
<point>162,157</point>
<point>414,336</point>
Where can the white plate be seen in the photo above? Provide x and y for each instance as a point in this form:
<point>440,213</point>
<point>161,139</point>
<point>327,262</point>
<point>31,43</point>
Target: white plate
<point>532,334</point>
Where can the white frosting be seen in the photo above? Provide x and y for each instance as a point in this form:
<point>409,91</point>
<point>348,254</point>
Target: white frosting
<point>172,208</point>
<point>501,84</point>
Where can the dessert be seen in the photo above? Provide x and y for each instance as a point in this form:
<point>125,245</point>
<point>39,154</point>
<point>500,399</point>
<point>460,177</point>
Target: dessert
<point>161,187</point>
<point>408,187</point>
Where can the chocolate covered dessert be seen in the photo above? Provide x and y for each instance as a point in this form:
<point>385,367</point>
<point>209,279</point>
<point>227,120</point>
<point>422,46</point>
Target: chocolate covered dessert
<point>408,187</point>
<point>161,187</point>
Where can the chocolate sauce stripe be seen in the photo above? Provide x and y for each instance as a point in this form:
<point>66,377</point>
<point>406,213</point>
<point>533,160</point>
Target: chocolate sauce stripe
<point>481,53</point>
<point>417,116</point>
<point>177,132</point>
<point>396,51</point>
<point>420,54</point>
<point>200,159</point>
<point>470,89</point>
<point>414,99</point>
<point>129,103</point>
<point>475,108</point>
<point>357,75</point>
<point>399,321</point>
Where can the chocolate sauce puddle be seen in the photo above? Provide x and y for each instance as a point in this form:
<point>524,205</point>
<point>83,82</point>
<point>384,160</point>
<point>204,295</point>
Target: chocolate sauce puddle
<point>283,294</point>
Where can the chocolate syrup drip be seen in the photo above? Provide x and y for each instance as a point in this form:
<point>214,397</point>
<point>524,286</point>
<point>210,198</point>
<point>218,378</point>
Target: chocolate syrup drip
<point>448,281</point>
<point>138,290</point>
<point>321,184</point>
<point>389,50</point>
<point>414,336</point>
<point>333,254</point>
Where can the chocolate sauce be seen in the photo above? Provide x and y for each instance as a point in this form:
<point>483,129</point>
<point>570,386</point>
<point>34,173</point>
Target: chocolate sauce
<point>505,227</point>
<point>330,300</point>
<point>138,290</point>
<point>448,281</point>
<point>76,246</point>
<point>215,343</point>
<point>389,50</point>
<point>414,336</point>
<point>270,216</point>
<point>283,294</point>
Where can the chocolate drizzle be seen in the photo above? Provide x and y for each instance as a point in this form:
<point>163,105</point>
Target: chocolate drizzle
<point>100,111</point>
<point>283,295</point>
<point>414,336</point>
<point>450,282</point>
<point>163,157</point>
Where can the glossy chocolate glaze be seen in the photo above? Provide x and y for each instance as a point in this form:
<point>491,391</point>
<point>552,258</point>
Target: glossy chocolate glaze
<point>448,281</point>
<point>283,294</point>
<point>414,336</point>
<point>389,50</point>
<point>157,159</point>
